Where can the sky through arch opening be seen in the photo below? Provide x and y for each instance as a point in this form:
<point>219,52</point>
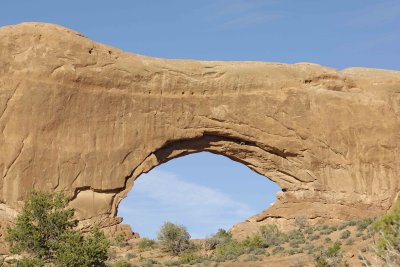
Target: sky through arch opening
<point>202,191</point>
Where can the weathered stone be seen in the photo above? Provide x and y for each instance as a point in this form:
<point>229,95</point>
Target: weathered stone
<point>87,119</point>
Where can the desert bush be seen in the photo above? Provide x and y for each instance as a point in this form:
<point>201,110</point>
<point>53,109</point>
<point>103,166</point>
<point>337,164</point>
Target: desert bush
<point>254,241</point>
<point>258,251</point>
<point>147,262</point>
<point>220,237</point>
<point>173,238</point>
<point>301,222</point>
<point>333,228</point>
<point>30,262</point>
<point>190,258</point>
<point>313,237</point>
<point>321,227</point>
<point>309,231</point>
<point>349,242</point>
<point>120,240</point>
<point>327,231</point>
<point>229,251</point>
<point>77,250</point>
<point>352,222</point>
<point>342,226</point>
<point>278,249</point>
<point>172,263</point>
<point>308,246</point>
<point>295,238</point>
<point>359,234</point>
<point>272,235</point>
<point>328,240</point>
<point>145,244</point>
<point>345,234</point>
<point>44,231</point>
<point>387,229</point>
<point>251,257</point>
<point>331,257</point>
<point>122,263</point>
<point>130,256</point>
<point>363,224</point>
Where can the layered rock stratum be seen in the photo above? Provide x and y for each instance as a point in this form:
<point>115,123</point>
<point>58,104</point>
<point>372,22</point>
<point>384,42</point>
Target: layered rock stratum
<point>87,119</point>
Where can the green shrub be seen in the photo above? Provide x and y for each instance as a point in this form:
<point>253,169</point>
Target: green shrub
<point>330,257</point>
<point>172,263</point>
<point>309,247</point>
<point>220,237</point>
<point>30,262</point>
<point>229,251</point>
<point>345,234</point>
<point>120,240</point>
<point>363,224</point>
<point>147,262</point>
<point>326,231</point>
<point>258,251</point>
<point>321,227</point>
<point>254,241</point>
<point>277,249</point>
<point>122,263</point>
<point>76,250</point>
<point>350,242</point>
<point>173,238</point>
<point>44,230</point>
<point>295,238</point>
<point>333,250</point>
<point>342,226</point>
<point>387,229</point>
<point>309,231</point>
<point>301,222</point>
<point>251,257</point>
<point>313,237</point>
<point>130,255</point>
<point>328,240</point>
<point>271,235</point>
<point>222,233</point>
<point>189,258</point>
<point>145,244</point>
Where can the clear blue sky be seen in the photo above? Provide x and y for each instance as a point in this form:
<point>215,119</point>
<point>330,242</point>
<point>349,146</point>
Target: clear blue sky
<point>339,34</point>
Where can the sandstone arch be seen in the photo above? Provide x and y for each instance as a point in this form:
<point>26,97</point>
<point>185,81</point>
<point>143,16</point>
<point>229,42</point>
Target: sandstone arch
<point>87,119</point>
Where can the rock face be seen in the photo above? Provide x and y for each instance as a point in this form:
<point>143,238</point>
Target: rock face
<point>87,119</point>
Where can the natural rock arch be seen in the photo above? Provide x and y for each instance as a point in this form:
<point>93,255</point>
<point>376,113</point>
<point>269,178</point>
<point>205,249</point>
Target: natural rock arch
<point>85,118</point>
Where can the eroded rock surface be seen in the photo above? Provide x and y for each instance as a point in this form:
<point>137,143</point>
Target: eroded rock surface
<point>87,119</point>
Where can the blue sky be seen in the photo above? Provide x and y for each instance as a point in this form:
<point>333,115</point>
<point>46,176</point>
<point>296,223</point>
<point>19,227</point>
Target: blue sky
<point>340,34</point>
<point>202,191</point>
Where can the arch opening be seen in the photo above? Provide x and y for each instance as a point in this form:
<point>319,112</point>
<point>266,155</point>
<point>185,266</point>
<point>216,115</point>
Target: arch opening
<point>202,191</point>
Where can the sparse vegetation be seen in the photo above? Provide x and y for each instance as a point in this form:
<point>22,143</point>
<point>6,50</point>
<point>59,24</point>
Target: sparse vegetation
<point>146,244</point>
<point>221,247</point>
